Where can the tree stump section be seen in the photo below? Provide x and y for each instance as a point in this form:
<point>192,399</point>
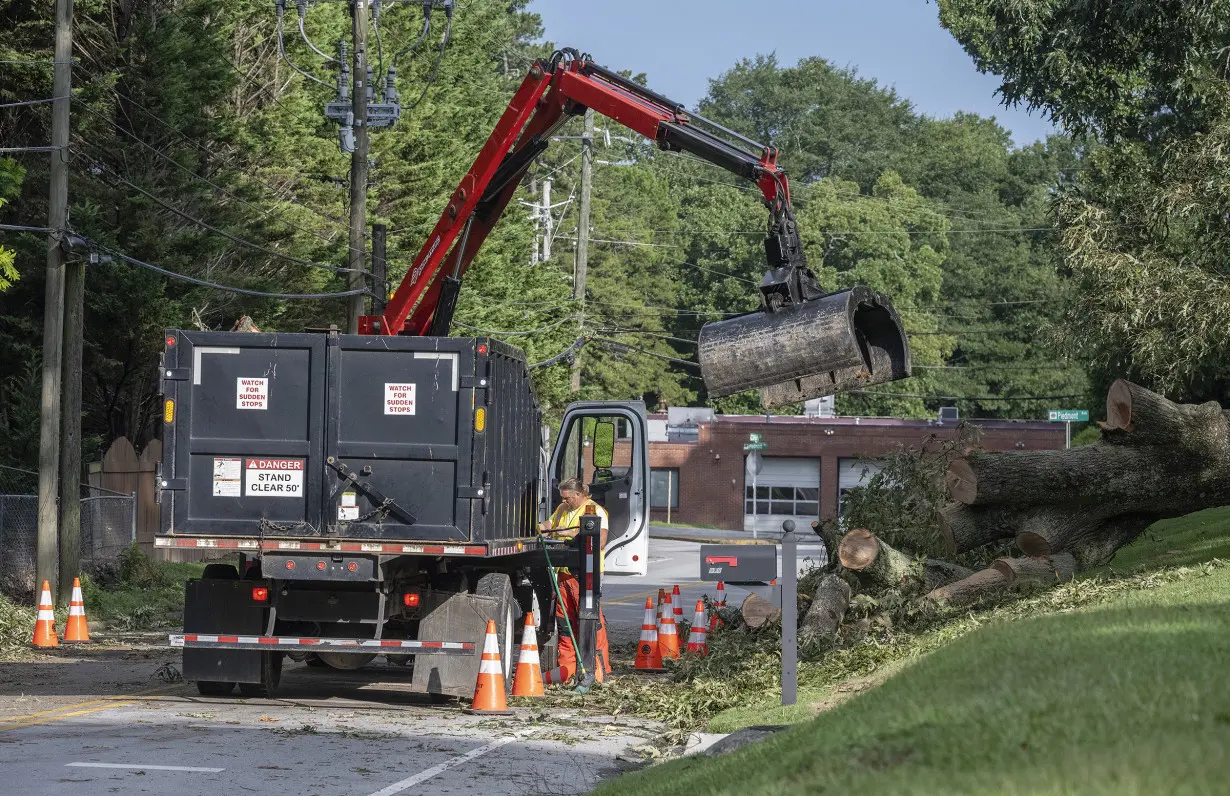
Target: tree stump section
<point>876,562</point>
<point>757,611</point>
<point>1157,459</point>
<point>969,589</point>
<point>1043,569</point>
<point>827,609</point>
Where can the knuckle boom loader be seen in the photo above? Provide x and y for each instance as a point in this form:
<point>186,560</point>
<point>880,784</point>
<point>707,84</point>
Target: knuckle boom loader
<point>381,491</point>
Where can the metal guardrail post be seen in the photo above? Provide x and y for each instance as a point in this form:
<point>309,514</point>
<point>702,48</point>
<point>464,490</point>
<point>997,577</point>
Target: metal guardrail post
<point>790,614</point>
<point>132,513</point>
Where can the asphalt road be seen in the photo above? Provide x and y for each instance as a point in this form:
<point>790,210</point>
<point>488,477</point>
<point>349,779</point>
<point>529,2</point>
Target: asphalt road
<point>100,724</point>
<point>671,563</point>
<point>99,720</point>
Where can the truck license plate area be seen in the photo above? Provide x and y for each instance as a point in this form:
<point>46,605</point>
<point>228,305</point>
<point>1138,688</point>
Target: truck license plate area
<point>324,566</point>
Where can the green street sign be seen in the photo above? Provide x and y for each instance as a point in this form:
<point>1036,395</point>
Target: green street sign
<point>753,437</point>
<point>755,446</point>
<point>1068,415</point>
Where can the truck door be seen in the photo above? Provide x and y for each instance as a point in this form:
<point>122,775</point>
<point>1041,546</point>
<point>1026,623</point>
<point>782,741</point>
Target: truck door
<point>605,444</point>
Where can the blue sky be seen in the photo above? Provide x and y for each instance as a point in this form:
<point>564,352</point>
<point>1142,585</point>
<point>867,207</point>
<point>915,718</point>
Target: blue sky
<point>681,44</point>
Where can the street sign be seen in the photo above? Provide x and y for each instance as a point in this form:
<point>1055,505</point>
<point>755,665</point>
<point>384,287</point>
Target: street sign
<point>754,464</point>
<point>1068,415</point>
<point>755,446</point>
<point>754,437</point>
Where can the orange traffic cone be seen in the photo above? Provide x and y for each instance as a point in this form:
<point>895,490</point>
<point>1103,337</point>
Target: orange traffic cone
<point>45,625</point>
<point>677,601</point>
<point>648,656</point>
<point>719,602</point>
<point>489,695</point>
<point>76,631</point>
<point>698,637</point>
<point>528,679</point>
<point>668,634</point>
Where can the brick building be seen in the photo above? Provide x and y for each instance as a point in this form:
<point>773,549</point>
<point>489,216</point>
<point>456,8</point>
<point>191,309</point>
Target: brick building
<point>700,468</point>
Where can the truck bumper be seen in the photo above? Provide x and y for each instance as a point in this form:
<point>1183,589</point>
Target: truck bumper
<point>333,645</point>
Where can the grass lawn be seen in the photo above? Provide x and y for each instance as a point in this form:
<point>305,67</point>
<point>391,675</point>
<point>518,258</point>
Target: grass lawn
<point>1130,695</point>
<point>141,594</point>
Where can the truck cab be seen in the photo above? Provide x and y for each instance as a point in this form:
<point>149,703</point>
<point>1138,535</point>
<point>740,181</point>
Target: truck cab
<point>605,444</point>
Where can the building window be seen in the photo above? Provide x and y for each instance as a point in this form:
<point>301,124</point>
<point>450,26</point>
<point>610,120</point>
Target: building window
<point>793,501</point>
<point>664,488</point>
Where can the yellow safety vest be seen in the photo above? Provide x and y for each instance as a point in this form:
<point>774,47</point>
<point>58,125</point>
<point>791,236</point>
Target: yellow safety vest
<point>563,517</point>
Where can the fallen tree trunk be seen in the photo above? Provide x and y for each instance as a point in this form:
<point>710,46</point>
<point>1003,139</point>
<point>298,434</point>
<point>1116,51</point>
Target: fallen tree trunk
<point>757,611</point>
<point>967,590</point>
<point>876,562</point>
<point>1042,569</point>
<point>827,609</point>
<point>1158,459</point>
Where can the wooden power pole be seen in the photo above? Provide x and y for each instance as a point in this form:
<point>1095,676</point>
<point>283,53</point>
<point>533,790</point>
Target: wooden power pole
<point>578,281</point>
<point>70,428</point>
<point>53,309</point>
<point>358,166</point>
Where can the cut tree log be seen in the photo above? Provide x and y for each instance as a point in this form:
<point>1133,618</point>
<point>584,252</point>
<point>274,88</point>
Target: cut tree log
<point>757,611</point>
<point>967,590</point>
<point>1158,459</point>
<point>827,609</point>
<point>876,562</point>
<point>968,528</point>
<point>1042,569</point>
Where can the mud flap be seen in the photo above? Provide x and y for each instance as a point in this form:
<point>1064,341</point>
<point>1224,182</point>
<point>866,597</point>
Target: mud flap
<point>839,342</point>
<point>222,606</point>
<point>462,617</point>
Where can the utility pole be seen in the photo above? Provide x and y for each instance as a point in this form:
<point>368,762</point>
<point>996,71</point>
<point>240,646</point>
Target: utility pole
<point>578,280</point>
<point>70,432</point>
<point>548,222</point>
<point>536,215</point>
<point>53,306</point>
<point>380,268</point>
<point>358,164</point>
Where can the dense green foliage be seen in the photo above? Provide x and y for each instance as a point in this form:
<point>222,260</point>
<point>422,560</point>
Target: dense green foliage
<point>1142,225</point>
<point>195,148</point>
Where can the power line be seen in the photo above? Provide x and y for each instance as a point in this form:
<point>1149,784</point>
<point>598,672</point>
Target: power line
<point>19,228</point>
<point>966,397</point>
<point>518,333</point>
<point>31,102</point>
<point>228,288</point>
<point>264,213</point>
<point>233,238</point>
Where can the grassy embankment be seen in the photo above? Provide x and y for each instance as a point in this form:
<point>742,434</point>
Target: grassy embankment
<point>1114,684</point>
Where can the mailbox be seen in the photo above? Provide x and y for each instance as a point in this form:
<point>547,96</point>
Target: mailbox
<point>738,563</point>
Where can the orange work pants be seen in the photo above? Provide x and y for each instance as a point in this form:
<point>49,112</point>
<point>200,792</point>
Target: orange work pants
<point>570,592</point>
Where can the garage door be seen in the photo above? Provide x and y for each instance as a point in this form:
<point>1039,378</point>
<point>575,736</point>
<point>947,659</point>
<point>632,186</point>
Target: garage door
<point>852,473</point>
<point>784,488</point>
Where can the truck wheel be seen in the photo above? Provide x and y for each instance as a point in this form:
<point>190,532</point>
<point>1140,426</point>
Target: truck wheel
<point>271,676</point>
<point>220,572</point>
<point>315,662</point>
<point>499,586</point>
<point>212,689</point>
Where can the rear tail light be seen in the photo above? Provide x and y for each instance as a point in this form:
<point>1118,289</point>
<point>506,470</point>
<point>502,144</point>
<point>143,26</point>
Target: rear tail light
<point>260,594</point>
<point>320,565</point>
<point>290,564</point>
<point>352,566</point>
<point>410,599</point>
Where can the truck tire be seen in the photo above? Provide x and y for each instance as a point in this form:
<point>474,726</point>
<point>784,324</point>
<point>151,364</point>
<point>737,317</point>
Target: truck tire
<point>345,661</point>
<point>220,572</point>
<point>271,676</point>
<point>213,689</point>
<point>499,586</point>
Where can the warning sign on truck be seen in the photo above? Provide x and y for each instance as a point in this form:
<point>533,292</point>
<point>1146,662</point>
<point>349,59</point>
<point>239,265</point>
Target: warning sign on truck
<point>273,477</point>
<point>252,393</point>
<point>226,477</point>
<point>398,399</point>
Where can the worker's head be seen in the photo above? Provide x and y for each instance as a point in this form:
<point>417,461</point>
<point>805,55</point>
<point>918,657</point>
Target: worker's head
<point>573,492</point>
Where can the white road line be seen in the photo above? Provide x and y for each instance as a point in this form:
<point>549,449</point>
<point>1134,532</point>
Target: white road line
<point>423,776</point>
<point>146,768</point>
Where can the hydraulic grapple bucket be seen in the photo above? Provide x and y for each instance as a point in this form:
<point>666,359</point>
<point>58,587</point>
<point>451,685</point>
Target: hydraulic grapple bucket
<point>839,342</point>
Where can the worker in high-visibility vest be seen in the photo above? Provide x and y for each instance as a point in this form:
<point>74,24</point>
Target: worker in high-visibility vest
<point>564,523</point>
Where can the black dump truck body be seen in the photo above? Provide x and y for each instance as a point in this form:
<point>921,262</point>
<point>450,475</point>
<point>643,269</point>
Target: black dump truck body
<point>380,495</point>
<point>315,437</point>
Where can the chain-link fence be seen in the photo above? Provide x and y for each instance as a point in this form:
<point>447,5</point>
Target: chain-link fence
<point>107,527</point>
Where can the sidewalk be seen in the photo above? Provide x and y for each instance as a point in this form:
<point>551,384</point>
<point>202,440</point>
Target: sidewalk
<point>718,536</point>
